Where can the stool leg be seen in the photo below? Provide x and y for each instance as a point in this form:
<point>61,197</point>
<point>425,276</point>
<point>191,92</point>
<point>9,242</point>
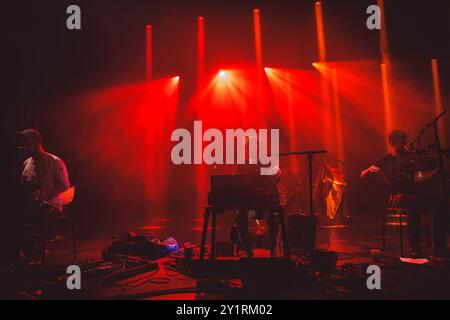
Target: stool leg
<point>213,235</point>
<point>274,227</point>
<point>401,233</point>
<point>204,233</point>
<point>74,244</point>
<point>284,234</point>
<point>427,228</point>
<point>384,232</point>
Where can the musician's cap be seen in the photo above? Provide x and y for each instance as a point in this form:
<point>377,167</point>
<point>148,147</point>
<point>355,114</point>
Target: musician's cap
<point>31,134</point>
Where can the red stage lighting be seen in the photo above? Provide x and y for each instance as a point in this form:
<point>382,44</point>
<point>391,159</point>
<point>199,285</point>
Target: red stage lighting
<point>149,58</point>
<point>257,30</point>
<point>324,68</point>
<point>320,31</point>
<point>223,74</point>
<point>201,47</point>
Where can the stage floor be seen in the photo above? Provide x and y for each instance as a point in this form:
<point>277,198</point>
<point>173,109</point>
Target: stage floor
<point>353,244</point>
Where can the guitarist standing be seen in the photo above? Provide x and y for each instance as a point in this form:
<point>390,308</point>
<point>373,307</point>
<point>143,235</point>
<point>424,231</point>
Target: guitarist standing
<point>400,171</point>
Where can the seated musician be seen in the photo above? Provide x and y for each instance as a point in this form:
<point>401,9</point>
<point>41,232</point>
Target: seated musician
<point>399,169</point>
<point>44,177</point>
<point>243,216</point>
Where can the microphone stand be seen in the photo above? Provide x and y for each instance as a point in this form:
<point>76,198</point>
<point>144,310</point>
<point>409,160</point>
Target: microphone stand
<point>439,152</point>
<point>428,126</point>
<point>309,154</point>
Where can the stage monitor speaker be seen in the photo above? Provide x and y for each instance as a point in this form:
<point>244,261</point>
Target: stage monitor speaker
<point>301,231</point>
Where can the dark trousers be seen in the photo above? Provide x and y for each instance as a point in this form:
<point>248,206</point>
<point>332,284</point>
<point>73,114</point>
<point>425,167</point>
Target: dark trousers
<point>418,205</point>
<point>246,236</point>
<point>35,226</point>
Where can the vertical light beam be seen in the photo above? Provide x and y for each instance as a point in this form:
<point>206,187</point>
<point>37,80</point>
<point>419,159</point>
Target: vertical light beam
<point>320,32</point>
<point>201,172</point>
<point>259,60</point>
<point>384,48</point>
<point>327,125</point>
<point>385,72</point>
<point>257,31</point>
<point>338,118</point>
<point>291,123</point>
<point>387,102</point>
<point>149,57</point>
<point>201,47</point>
<point>438,99</point>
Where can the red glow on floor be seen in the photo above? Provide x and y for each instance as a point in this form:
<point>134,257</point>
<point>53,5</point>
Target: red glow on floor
<point>151,227</point>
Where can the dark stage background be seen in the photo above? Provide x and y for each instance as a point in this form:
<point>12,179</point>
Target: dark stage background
<point>85,91</point>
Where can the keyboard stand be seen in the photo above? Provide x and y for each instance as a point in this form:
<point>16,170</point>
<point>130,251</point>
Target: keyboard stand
<point>212,212</point>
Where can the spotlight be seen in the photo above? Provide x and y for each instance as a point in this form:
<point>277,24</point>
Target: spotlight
<point>174,80</point>
<point>223,76</point>
<point>268,71</point>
